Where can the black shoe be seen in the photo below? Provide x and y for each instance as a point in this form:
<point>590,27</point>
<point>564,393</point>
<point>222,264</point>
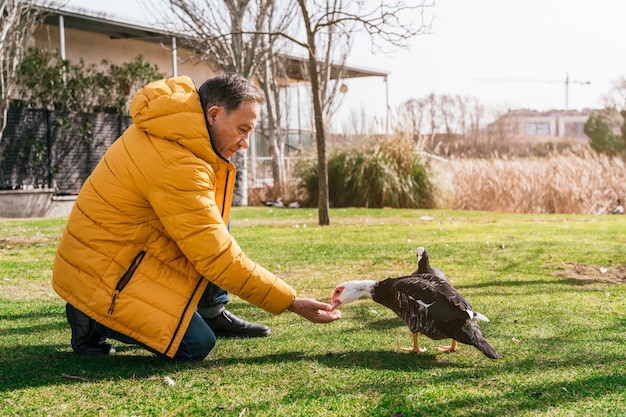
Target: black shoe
<point>85,340</point>
<point>226,324</point>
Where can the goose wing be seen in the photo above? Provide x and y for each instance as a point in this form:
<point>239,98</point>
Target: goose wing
<point>446,302</point>
<point>421,303</point>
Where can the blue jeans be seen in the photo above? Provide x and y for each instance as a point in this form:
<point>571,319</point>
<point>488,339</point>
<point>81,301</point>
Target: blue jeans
<point>199,339</point>
<point>213,296</point>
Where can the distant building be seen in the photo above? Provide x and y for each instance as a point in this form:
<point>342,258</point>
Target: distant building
<point>548,125</point>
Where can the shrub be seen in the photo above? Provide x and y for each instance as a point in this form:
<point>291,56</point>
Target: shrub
<point>387,174</point>
<point>603,137</point>
<point>47,81</point>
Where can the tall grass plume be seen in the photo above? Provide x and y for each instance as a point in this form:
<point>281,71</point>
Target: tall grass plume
<point>583,183</point>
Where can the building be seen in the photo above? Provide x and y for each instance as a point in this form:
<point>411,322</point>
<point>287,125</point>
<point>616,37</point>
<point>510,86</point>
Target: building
<point>78,34</point>
<point>548,125</point>
<point>81,34</point>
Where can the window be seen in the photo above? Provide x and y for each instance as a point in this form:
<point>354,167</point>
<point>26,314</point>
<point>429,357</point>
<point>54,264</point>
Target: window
<point>575,129</point>
<point>537,128</point>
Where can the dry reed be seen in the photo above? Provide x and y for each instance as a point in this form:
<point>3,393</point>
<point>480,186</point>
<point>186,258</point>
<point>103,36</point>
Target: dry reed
<point>586,183</point>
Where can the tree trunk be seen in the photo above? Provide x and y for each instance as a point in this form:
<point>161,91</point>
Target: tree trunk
<point>276,142</point>
<point>320,140</point>
<point>278,167</point>
<point>240,194</point>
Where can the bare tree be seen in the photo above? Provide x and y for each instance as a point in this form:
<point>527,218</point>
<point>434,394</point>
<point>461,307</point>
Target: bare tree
<point>462,104</point>
<point>614,105</point>
<point>384,22</point>
<point>412,112</point>
<point>235,46</point>
<point>459,119</point>
<point>476,121</point>
<point>358,124</point>
<point>448,115</point>
<point>433,112</point>
<point>238,36</point>
<point>272,77</point>
<point>616,97</point>
<point>18,20</point>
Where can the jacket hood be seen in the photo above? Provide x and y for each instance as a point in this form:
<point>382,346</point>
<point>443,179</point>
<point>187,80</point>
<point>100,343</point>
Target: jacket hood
<point>170,109</point>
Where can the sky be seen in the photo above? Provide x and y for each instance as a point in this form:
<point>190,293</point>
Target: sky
<point>505,53</point>
<point>513,54</point>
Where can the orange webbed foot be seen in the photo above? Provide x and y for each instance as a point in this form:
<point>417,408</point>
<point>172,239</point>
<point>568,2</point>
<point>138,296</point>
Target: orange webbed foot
<point>415,347</point>
<point>448,349</point>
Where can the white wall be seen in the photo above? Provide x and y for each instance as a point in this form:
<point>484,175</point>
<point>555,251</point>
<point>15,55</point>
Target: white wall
<point>94,47</point>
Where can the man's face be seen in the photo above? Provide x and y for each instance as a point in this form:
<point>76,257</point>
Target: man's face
<point>230,132</point>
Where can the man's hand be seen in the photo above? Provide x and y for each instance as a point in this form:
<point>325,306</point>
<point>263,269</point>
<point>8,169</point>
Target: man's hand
<point>314,311</point>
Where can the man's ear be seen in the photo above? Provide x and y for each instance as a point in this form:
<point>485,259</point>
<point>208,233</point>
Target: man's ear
<point>211,114</point>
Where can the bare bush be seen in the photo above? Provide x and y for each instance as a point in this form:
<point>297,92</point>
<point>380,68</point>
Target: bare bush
<point>568,183</point>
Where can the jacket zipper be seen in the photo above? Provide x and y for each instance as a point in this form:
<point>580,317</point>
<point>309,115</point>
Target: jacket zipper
<point>126,278</point>
<point>169,346</point>
<point>225,192</point>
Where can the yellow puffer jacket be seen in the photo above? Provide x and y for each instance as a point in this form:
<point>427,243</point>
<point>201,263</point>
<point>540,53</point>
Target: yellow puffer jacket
<point>148,229</point>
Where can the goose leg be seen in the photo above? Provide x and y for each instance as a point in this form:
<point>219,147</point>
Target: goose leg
<point>450,349</point>
<point>415,347</point>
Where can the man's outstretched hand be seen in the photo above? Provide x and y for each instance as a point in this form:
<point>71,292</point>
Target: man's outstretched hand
<point>314,311</point>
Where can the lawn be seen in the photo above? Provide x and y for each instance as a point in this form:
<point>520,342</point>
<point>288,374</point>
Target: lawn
<point>552,285</point>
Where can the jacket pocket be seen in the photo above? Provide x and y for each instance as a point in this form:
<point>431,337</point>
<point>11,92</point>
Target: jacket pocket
<point>125,279</point>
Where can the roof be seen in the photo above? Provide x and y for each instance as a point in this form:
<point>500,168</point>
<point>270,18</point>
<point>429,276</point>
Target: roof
<point>296,69</point>
<point>82,19</point>
<point>549,113</point>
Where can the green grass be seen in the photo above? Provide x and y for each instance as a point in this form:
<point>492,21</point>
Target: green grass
<point>556,320</point>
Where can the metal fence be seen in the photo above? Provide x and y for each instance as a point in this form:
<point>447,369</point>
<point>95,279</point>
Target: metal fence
<point>297,142</point>
<point>42,149</point>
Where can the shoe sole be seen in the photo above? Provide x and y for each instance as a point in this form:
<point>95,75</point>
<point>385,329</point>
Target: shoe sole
<point>241,336</point>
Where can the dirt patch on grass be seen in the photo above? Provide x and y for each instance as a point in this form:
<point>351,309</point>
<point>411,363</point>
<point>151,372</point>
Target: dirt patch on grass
<point>20,240</point>
<point>26,290</point>
<point>592,273</point>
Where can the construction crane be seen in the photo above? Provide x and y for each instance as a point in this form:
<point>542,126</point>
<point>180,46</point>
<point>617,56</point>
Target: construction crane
<point>567,83</point>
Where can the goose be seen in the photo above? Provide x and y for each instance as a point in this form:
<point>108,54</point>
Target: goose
<point>618,209</point>
<point>427,304</point>
<point>424,266</point>
<point>274,203</point>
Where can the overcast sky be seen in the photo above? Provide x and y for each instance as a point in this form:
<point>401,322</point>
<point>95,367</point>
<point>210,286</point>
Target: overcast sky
<point>512,53</point>
<point>505,53</point>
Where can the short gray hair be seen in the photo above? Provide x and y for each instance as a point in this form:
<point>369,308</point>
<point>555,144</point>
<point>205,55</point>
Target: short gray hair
<point>229,90</point>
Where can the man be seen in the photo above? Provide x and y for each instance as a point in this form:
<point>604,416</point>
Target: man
<point>147,239</point>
